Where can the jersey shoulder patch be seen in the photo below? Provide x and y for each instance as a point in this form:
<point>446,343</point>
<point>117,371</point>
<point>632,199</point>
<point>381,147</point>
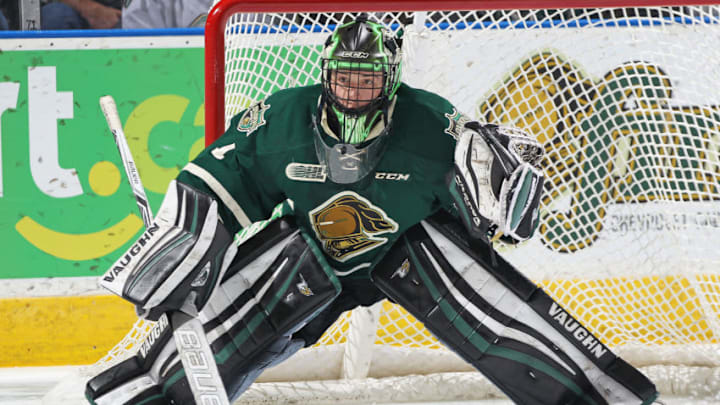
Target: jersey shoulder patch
<point>456,123</point>
<point>253,118</point>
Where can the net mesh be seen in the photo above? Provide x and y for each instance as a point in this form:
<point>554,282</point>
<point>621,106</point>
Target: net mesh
<point>626,104</point>
<point>628,116</point>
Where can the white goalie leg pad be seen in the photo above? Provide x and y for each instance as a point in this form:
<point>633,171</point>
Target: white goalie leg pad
<point>180,257</point>
<point>502,323</point>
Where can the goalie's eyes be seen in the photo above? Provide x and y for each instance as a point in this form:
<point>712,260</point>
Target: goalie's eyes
<point>357,80</point>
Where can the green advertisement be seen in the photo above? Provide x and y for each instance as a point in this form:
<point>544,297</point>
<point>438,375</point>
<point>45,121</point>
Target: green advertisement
<point>66,208</point>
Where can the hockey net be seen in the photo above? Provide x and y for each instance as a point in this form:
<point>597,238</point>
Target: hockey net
<point>626,102</point>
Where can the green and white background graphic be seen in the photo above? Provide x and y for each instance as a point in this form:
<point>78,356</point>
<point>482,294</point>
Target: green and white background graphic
<point>66,206</point>
<point>66,209</point>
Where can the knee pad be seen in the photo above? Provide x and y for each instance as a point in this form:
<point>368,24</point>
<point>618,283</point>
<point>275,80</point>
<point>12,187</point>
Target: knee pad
<point>279,351</point>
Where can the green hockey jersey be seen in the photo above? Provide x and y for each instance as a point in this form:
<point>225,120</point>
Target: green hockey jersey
<point>268,155</point>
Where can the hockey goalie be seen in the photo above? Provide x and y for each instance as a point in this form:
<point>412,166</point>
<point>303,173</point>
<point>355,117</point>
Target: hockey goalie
<point>348,192</point>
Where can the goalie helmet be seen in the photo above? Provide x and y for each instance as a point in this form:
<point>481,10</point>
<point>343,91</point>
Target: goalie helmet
<point>360,76</point>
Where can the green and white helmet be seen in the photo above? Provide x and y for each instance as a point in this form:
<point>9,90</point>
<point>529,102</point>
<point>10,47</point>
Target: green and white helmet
<point>361,66</point>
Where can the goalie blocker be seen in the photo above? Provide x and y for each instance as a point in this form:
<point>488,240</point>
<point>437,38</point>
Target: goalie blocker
<point>278,281</point>
<point>502,323</point>
<point>179,259</point>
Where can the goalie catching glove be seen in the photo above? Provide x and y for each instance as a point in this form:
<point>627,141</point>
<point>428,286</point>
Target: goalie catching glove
<point>497,180</point>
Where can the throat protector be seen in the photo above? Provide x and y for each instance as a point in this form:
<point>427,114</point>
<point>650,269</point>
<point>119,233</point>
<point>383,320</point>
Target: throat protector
<point>347,163</point>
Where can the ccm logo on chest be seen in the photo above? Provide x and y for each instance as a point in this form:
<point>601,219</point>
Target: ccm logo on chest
<point>392,176</point>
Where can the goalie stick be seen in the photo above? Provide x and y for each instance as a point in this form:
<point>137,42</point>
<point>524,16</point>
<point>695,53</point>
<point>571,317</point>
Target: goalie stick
<point>193,347</point>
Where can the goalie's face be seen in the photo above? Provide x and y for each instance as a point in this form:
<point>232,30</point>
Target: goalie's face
<point>360,75</point>
<point>356,89</point>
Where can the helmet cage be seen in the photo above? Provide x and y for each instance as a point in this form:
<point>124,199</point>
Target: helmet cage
<point>356,88</point>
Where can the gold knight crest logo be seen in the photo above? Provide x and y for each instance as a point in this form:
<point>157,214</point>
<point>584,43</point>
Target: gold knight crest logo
<point>347,225</point>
